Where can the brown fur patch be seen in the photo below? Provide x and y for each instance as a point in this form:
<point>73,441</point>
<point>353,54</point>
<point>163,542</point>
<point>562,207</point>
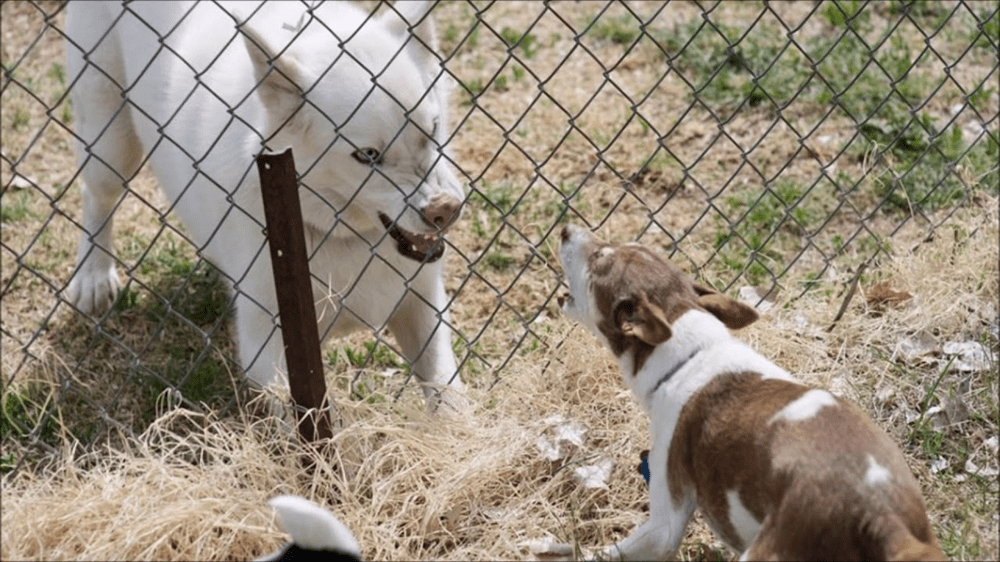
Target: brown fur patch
<point>731,312</point>
<point>626,282</point>
<point>804,479</point>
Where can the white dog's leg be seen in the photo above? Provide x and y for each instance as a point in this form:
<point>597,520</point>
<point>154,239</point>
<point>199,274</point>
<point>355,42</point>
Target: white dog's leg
<point>420,325</point>
<point>109,154</point>
<point>259,343</point>
<point>654,540</point>
<point>658,538</point>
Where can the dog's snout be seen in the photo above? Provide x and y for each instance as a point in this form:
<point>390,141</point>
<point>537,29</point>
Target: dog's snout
<point>570,230</point>
<point>442,211</point>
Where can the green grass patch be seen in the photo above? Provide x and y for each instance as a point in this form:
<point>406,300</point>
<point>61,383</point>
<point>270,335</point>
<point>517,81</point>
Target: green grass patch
<point>526,42</point>
<point>762,229</point>
<point>622,30</point>
<point>475,87</point>
<point>195,291</point>
<point>498,261</point>
<point>987,35</point>
<point>16,207</point>
<point>884,92</point>
<point>842,12</point>
<point>22,411</point>
<point>28,413</point>
<point>189,302</point>
<point>470,358</point>
<point>198,379</point>
<point>371,355</point>
<point>363,370</point>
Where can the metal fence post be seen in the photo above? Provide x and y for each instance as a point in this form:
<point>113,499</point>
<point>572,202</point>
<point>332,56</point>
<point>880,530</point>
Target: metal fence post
<point>296,310</point>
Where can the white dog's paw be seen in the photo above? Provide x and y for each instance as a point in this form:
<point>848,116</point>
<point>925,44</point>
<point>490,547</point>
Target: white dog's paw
<point>448,400</point>
<point>276,402</point>
<point>93,291</point>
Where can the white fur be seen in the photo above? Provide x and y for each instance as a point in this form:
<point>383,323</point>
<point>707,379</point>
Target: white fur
<point>805,406</point>
<point>747,526</point>
<point>202,115</point>
<point>724,353</point>
<point>312,527</point>
<point>581,310</point>
<point>876,473</point>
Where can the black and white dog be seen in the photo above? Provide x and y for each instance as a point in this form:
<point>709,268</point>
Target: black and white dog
<point>316,534</point>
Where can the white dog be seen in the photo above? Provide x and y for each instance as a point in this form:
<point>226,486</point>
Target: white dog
<point>363,103</point>
<point>779,471</point>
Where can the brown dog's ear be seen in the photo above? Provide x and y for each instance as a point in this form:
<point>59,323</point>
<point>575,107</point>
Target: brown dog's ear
<point>733,313</point>
<point>642,319</point>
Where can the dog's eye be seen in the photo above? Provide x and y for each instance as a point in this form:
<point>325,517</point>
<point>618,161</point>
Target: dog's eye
<point>367,156</point>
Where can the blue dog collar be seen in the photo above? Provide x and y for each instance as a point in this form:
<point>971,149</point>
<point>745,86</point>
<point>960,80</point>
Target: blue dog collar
<point>644,465</point>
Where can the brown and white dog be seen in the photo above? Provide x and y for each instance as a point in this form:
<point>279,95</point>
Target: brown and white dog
<point>779,470</point>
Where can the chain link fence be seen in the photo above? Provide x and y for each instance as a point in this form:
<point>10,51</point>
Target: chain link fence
<point>765,147</point>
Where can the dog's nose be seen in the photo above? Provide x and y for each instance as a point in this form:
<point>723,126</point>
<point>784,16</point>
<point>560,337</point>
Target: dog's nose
<point>442,211</point>
<point>567,231</point>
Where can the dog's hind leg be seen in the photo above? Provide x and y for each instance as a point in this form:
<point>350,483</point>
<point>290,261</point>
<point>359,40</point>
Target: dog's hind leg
<point>108,151</point>
<point>421,327</point>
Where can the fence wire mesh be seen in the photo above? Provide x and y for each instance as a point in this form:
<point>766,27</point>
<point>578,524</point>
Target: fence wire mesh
<point>764,146</point>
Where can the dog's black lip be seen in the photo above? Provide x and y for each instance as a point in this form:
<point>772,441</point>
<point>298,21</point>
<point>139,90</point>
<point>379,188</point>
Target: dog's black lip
<point>405,247</point>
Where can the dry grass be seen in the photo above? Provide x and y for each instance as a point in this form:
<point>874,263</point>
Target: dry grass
<point>194,482</point>
<point>418,487</point>
<point>414,487</point>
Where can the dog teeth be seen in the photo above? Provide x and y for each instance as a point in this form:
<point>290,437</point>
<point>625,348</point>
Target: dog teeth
<point>423,239</point>
<point>413,244</point>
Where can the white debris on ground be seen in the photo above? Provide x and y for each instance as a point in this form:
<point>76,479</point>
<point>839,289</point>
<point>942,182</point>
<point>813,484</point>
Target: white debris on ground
<point>594,476</point>
<point>548,551</point>
<point>938,465</point>
<point>970,356</point>
<point>753,296</point>
<point>20,182</point>
<point>920,348</point>
<point>923,348</point>
<point>560,437</point>
<point>962,358</point>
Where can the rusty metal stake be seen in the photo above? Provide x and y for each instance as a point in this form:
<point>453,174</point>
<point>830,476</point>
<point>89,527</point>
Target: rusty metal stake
<point>296,311</point>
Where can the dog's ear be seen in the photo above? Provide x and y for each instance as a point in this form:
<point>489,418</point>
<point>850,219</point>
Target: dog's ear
<point>640,318</point>
<point>733,313</point>
<point>403,16</point>
<point>280,78</point>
